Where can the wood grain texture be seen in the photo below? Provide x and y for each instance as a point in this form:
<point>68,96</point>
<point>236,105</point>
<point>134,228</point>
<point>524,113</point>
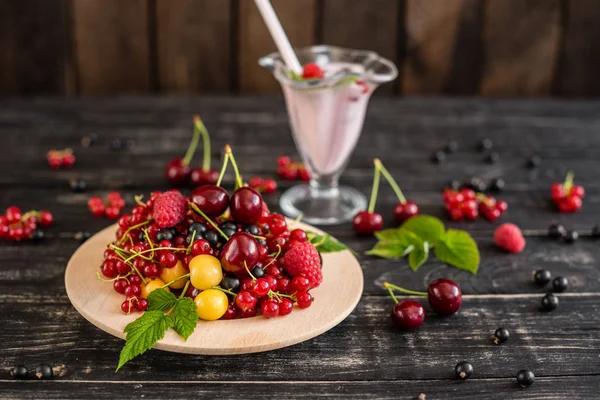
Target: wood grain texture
<point>193,40</point>
<point>254,41</point>
<point>33,47</point>
<point>111,46</point>
<point>580,61</point>
<point>520,47</point>
<point>366,25</point>
<point>443,46</point>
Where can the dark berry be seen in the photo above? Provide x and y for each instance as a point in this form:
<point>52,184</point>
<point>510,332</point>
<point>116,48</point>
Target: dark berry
<point>445,297</point>
<point>596,232</point>
<point>485,144</point>
<point>403,211</point>
<point>89,140</point>
<point>475,184</point>
<point>497,185</point>
<point>559,284</point>
<point>197,227</point>
<point>211,199</point>
<point>451,147</point>
<point>463,370</point>
<point>525,377</point>
<point>534,161</point>
<point>501,335</point>
<point>541,277</point>
<point>571,236</point>
<point>252,229</point>
<point>37,235</point>
<point>246,205</point>
<point>78,185</point>
<point>408,314</point>
<point>142,237</point>
<point>229,225</point>
<point>492,158</point>
<point>192,237</point>
<point>82,236</point>
<point>129,143</point>
<point>231,283</point>
<point>212,238</point>
<point>549,302</point>
<point>44,372</point>
<point>438,157</point>
<point>258,272</point>
<point>556,231</point>
<point>19,372</point>
<point>454,185</point>
<point>165,234</point>
<point>116,144</point>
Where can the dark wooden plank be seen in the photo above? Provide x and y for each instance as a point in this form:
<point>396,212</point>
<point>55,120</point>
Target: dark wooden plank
<point>444,46</point>
<point>298,20</point>
<point>580,57</point>
<point>368,25</point>
<point>521,43</point>
<point>491,389</point>
<point>33,47</point>
<point>193,45</point>
<point>112,46</point>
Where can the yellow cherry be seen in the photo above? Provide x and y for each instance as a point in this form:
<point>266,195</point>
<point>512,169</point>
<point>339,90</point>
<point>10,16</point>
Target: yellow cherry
<point>205,271</point>
<point>152,285</point>
<point>170,274</point>
<point>211,304</point>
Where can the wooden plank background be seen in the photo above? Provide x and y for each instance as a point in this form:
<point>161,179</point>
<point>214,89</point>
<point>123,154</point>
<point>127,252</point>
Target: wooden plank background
<point>493,48</point>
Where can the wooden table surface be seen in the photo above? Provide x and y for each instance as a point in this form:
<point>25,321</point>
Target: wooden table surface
<point>365,356</point>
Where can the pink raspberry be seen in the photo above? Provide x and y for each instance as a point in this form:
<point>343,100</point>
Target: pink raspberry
<point>169,209</point>
<point>303,259</point>
<point>510,238</point>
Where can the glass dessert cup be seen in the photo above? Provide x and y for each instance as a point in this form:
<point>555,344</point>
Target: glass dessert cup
<point>326,117</point>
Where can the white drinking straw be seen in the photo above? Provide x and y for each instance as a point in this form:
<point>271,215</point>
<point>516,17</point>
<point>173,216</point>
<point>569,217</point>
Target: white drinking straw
<point>278,35</point>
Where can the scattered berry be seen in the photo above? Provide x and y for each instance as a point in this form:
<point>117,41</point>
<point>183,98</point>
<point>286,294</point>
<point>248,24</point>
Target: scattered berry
<point>509,238</point>
<point>463,370</point>
<point>44,372</point>
<point>571,236</point>
<point>525,378</point>
<point>541,277</point>
<point>556,231</point>
<point>549,302</point>
<point>501,335</point>
<point>19,372</point>
<point>60,158</point>
<point>445,297</point>
<point>367,223</point>
<point>559,284</point>
<point>567,196</point>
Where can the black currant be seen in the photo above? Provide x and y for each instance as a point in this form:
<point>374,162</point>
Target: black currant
<point>212,238</point>
<point>497,185</point>
<point>37,235</point>
<point>44,372</point>
<point>541,277</point>
<point>556,231</point>
<point>571,236</point>
<point>193,236</point>
<point>262,242</point>
<point>463,370</point>
<point>197,227</point>
<point>229,225</point>
<point>451,147</point>
<point>438,157</point>
<point>595,232</point>
<point>231,283</point>
<point>501,335</point>
<point>78,185</point>
<point>89,140</point>
<point>475,184</point>
<point>454,185</point>
<point>534,161</point>
<point>549,302</point>
<point>129,144</point>
<point>82,236</point>
<point>258,272</point>
<point>525,377</point>
<point>116,144</point>
<point>229,231</point>
<point>492,158</point>
<point>19,372</point>
<point>165,234</point>
<point>252,229</point>
<point>559,284</point>
<point>142,237</point>
<point>485,144</point>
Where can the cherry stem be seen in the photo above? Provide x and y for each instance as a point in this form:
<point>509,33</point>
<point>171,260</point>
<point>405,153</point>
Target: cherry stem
<point>374,189</point>
<point>248,271</point>
<point>119,252</point>
<point>185,288</point>
<point>389,286</point>
<point>201,213</point>
<point>138,200</point>
<point>205,142</point>
<point>391,180</point>
<point>136,254</point>
<point>568,182</point>
<point>272,294</point>
<point>392,294</point>
<point>192,147</point>
<point>223,169</point>
<point>174,280</point>
<point>224,290</point>
<point>238,177</point>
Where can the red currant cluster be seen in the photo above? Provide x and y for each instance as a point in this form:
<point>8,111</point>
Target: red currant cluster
<point>567,196</point>
<point>367,222</point>
<point>233,264</point>
<point>178,171</point>
<point>16,226</point>
<point>263,185</point>
<point>466,204</point>
<point>111,207</point>
<point>60,158</point>
<point>291,171</point>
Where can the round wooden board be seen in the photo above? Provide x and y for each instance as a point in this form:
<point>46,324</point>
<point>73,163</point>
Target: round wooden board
<point>335,299</point>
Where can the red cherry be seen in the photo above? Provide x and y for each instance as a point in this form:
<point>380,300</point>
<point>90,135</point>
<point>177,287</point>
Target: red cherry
<point>212,200</point>
<point>402,212</point>
<point>408,314</point>
<point>240,252</point>
<point>199,176</point>
<point>312,71</point>
<point>445,297</point>
<point>177,172</point>
<point>366,223</point>
<point>246,205</point>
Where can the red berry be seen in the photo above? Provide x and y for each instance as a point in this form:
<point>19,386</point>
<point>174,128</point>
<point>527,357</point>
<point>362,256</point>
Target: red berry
<point>141,305</point>
<point>112,212</point>
<point>501,206</point>
<point>570,204</point>
<point>303,260</point>
<point>288,172</point>
<point>135,280</point>
<point>272,282</point>
<point>200,177</point>
<point>300,284</point>
<point>283,161</point>
<point>468,194</point>
<point>445,297</point>
<point>246,284</point>
<point>285,306</point>
<point>366,223</point>
<point>456,214</point>
<point>577,191</point>
<point>201,246</point>
<point>109,269</point>
<point>273,270</point>
<point>269,309</point>
<point>557,191</point>
<point>312,71</point>
<point>277,226</point>
<point>256,182</point>
<point>120,285</point>
<point>128,306</point>
<point>284,285</point>
<point>510,238</point>
<point>402,212</point>
<point>168,259</point>
<point>298,235</point>
<point>470,214</point>
<point>122,268</point>
<point>246,205</point>
<point>408,314</point>
<point>169,209</point>
<point>491,214</point>
<point>303,174</point>
<point>453,198</point>
<point>260,287</point>
<point>249,313</point>
<point>46,218</point>
<point>212,200</point>
<point>177,171</point>
<point>151,271</point>
<point>231,313</point>
<point>13,214</point>
<point>132,290</point>
<point>277,243</point>
<point>304,299</point>
<point>245,300</point>
<point>68,160</point>
<point>269,186</point>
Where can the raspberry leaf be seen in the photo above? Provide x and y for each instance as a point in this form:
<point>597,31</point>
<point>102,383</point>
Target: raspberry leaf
<point>161,300</point>
<point>426,227</point>
<point>185,317</point>
<point>418,256</point>
<point>390,250</point>
<point>458,249</point>
<point>143,333</point>
<point>326,243</point>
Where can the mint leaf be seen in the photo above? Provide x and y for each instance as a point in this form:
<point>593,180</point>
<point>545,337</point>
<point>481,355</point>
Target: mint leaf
<point>428,228</point>
<point>143,333</point>
<point>161,300</point>
<point>346,80</point>
<point>185,317</point>
<point>326,243</point>
<point>418,256</point>
<point>390,250</point>
<point>458,249</point>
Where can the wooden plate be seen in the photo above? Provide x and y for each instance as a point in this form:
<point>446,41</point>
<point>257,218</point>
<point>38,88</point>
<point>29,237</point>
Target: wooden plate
<point>335,299</point>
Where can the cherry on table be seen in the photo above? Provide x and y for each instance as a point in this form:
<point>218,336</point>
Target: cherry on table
<point>366,223</point>
<point>211,199</point>
<point>177,171</point>
<point>408,314</point>
<point>246,205</point>
<point>200,176</point>
<point>403,211</point>
<point>445,297</point>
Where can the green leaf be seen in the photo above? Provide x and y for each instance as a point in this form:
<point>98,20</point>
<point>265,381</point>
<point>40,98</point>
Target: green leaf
<point>418,256</point>
<point>326,243</point>
<point>185,317</point>
<point>390,250</point>
<point>458,249</point>
<point>346,80</point>
<point>387,235</point>
<point>428,228</point>
<point>161,300</point>
<point>143,333</point>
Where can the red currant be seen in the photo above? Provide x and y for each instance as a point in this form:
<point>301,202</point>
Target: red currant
<point>272,282</point>
<point>13,214</point>
<point>46,218</point>
<point>249,313</point>
<point>300,284</point>
<point>312,71</point>
<point>201,246</point>
<point>128,306</point>
<point>109,269</point>
<point>120,285</point>
<point>260,287</point>
<point>132,290</point>
<point>231,313</point>
<point>285,306</point>
<point>284,285</point>
<point>245,300</point>
<point>269,308</point>
<point>141,305</point>
<point>168,259</point>
<point>304,299</point>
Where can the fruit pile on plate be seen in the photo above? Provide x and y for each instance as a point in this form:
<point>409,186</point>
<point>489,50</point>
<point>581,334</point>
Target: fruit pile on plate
<point>228,252</point>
